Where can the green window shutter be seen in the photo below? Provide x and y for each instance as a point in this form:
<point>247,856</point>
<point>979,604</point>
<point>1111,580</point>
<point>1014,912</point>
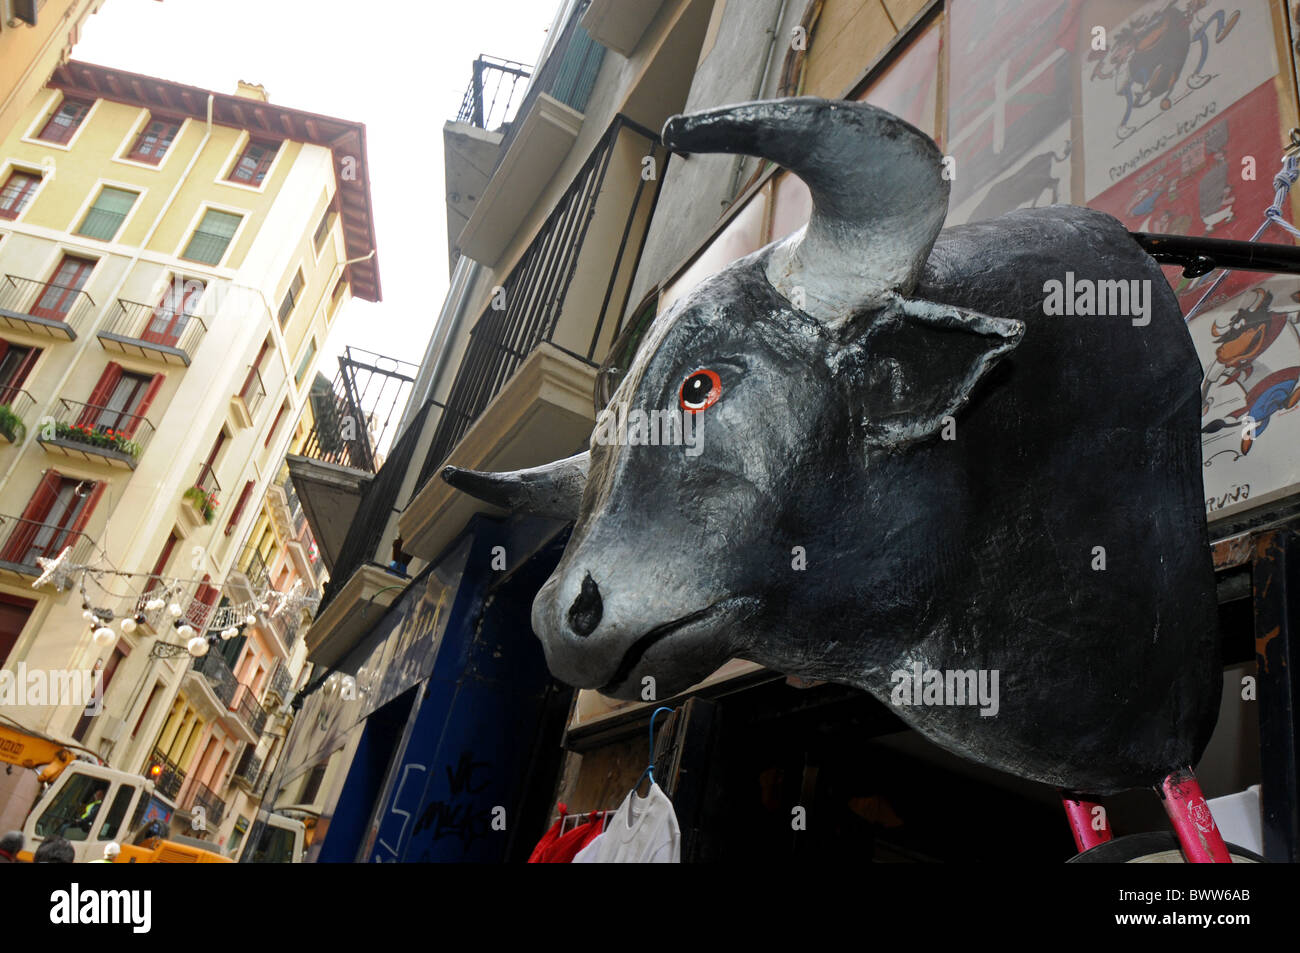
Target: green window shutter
<point>209,242</point>
<point>107,214</point>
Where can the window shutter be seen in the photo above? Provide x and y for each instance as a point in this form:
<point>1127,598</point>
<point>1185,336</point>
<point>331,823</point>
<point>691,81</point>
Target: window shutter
<point>24,367</point>
<point>38,507</point>
<point>99,396</point>
<point>239,507</point>
<point>4,348</point>
<point>83,517</point>
<point>142,408</point>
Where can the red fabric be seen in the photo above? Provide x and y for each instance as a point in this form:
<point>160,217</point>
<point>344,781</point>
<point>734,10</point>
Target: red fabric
<point>557,848</point>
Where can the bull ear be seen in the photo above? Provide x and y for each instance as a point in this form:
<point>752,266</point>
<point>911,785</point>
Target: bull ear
<point>921,362</point>
<point>553,490</point>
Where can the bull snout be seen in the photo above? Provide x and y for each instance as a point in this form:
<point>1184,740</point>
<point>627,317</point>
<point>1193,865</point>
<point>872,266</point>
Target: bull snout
<point>584,614</point>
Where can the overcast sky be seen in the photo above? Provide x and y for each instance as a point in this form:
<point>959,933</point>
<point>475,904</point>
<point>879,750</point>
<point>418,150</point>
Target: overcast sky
<point>399,66</point>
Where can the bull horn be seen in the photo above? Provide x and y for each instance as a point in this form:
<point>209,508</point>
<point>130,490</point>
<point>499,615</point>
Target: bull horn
<point>879,196</point>
<point>553,490</point>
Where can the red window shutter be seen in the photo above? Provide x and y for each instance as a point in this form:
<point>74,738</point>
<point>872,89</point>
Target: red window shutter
<point>275,424</point>
<point>4,348</point>
<point>24,367</point>
<point>142,407</point>
<point>83,517</point>
<point>239,507</point>
<point>99,396</point>
<point>38,507</point>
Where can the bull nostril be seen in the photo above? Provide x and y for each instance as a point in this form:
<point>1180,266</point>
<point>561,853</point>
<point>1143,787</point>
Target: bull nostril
<point>584,614</point>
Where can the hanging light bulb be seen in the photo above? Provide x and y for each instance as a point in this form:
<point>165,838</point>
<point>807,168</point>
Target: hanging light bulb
<point>128,625</point>
<point>104,636</point>
<point>197,646</point>
<point>153,605</point>
<point>250,619</point>
<point>174,609</point>
<point>186,631</point>
<point>139,618</point>
<point>229,633</point>
<point>266,607</point>
<point>88,615</point>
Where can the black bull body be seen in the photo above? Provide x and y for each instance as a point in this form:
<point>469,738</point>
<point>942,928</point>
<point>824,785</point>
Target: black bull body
<point>904,465</point>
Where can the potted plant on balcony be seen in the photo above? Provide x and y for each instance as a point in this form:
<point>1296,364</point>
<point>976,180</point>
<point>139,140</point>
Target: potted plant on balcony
<point>205,504</point>
<point>13,429</point>
<point>108,439</point>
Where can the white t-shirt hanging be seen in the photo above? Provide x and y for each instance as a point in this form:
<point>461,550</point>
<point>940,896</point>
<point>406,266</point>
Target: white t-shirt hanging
<point>642,831</point>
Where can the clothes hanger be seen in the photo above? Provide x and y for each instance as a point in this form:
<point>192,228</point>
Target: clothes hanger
<point>649,771</point>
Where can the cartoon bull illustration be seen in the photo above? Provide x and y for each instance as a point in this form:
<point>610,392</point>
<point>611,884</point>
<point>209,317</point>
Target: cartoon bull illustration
<point>906,466</point>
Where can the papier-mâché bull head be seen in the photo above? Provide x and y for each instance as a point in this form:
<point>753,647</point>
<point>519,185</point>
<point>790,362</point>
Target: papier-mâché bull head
<point>906,465</point>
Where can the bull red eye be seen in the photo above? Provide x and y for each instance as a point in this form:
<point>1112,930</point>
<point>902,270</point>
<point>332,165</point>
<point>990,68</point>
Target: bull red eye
<point>702,389</point>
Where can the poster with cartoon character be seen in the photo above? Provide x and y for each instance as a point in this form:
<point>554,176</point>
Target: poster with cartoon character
<point>1250,395</point>
<point>1157,72</point>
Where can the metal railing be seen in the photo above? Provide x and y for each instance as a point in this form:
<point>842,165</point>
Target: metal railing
<point>104,431</point>
<point>167,777</point>
<point>253,392</point>
<point>568,74</point>
<point>355,414</point>
<point>208,485</point>
<point>495,90</point>
<point>254,568</point>
<point>248,769</point>
<point>15,405</point>
<point>26,540</point>
<point>222,680</point>
<point>248,709</point>
<point>201,795</point>
<point>281,681</point>
<point>535,294</point>
<point>59,309</point>
<point>153,327</point>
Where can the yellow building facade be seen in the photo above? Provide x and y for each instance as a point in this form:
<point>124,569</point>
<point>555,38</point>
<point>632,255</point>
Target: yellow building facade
<point>35,37</point>
<point>171,261</point>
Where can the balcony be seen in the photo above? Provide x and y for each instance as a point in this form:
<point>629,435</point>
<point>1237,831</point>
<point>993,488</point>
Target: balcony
<point>250,576</point>
<point>200,501</point>
<point>245,404</point>
<point>495,90</point>
<point>220,679</point>
<point>27,540</point>
<point>247,770</point>
<point>619,24</point>
<point>98,434</point>
<point>166,776</point>
<point>15,411</point>
<point>153,332</point>
<point>249,712</point>
<point>280,684</point>
<point>203,797</point>
<point>44,307</point>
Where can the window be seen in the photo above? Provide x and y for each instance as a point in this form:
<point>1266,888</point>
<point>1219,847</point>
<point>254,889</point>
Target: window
<point>174,311</point>
<point>120,400</point>
<point>15,364</point>
<point>113,823</point>
<point>73,812</point>
<point>336,296</point>
<point>160,566</point>
<point>291,297</point>
<point>323,229</point>
<point>305,363</point>
<point>253,162</point>
<point>17,192</point>
<point>144,712</point>
<point>83,723</point>
<point>57,512</point>
<point>154,141</point>
<point>64,289</point>
<point>209,242</point>
<point>64,123</point>
<point>107,214</point>
<point>14,612</point>
<point>239,507</point>
<point>275,424</point>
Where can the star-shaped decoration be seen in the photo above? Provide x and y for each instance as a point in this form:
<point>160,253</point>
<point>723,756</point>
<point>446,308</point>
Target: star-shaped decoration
<point>56,570</point>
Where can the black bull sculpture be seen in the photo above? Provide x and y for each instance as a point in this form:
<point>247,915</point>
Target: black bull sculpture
<point>971,483</point>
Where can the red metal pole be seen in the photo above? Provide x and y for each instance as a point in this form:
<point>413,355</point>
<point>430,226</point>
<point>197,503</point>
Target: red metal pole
<point>1088,821</point>
<point>1193,823</point>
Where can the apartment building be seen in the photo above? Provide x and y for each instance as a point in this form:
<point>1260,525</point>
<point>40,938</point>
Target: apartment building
<point>36,36</point>
<point>171,261</point>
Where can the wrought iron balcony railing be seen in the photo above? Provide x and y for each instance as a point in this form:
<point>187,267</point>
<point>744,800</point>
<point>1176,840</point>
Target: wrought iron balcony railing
<point>253,392</point>
<point>253,568</point>
<point>281,682</point>
<point>495,90</point>
<point>248,709</point>
<point>248,769</point>
<point>91,430</point>
<point>57,310</point>
<point>165,774</point>
<point>26,540</point>
<point>15,407</point>
<point>202,796</point>
<point>204,495</point>
<point>152,331</point>
<point>219,676</point>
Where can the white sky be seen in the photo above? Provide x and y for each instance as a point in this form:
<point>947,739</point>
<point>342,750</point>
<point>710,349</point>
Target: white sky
<point>399,66</point>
